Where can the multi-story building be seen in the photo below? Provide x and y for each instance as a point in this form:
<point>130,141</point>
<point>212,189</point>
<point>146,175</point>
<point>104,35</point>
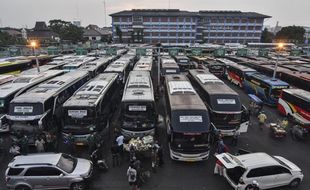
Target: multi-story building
<point>178,26</point>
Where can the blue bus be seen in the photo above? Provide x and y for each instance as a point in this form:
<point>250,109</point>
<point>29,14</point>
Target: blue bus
<point>266,88</point>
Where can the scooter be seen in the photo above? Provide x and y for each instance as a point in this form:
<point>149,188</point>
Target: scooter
<point>98,161</point>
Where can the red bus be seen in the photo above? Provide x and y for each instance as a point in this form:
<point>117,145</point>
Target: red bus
<point>295,103</point>
<point>236,73</point>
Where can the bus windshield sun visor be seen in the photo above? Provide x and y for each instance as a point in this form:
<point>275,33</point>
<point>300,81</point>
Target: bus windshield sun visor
<point>225,103</point>
<point>190,121</point>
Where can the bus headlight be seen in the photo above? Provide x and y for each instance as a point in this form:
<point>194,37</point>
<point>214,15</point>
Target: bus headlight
<point>40,123</point>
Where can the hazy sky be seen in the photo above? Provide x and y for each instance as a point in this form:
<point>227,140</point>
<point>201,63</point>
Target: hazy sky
<point>21,13</point>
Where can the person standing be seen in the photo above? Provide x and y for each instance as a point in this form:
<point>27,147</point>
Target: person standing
<point>39,144</point>
<point>115,155</point>
<point>132,177</point>
<point>24,145</point>
<point>235,137</point>
<point>262,119</point>
<point>120,144</point>
<point>91,143</point>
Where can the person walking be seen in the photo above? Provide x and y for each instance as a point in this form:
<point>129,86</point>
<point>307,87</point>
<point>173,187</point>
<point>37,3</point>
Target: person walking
<point>262,119</point>
<point>132,177</point>
<point>91,143</point>
<point>39,144</point>
<point>15,150</point>
<point>220,146</point>
<point>235,137</point>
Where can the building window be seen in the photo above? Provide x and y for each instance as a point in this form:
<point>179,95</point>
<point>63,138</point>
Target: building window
<point>146,19</point>
<point>258,28</point>
<point>116,19</point>
<point>173,19</point>
<point>250,27</point>
<point>155,19</point>
<point>244,20</point>
<point>228,20</point>
<point>242,27</point>
<point>164,19</point>
<point>188,19</point>
<point>236,20</point>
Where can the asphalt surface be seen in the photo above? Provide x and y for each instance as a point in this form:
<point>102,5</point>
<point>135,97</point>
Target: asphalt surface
<point>195,176</point>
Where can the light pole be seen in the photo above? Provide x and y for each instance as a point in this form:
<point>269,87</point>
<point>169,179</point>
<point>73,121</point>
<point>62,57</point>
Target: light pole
<point>33,45</point>
<point>279,47</point>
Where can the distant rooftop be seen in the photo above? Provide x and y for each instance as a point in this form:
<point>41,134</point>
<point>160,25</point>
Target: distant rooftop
<point>178,12</point>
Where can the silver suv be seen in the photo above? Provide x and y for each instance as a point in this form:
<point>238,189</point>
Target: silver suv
<point>48,171</point>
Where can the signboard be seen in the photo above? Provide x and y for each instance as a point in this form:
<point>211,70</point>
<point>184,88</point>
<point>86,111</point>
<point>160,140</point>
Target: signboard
<point>140,51</point>
<point>80,51</point>
<point>226,101</point>
<point>137,108</point>
<point>219,52</point>
<point>263,53</point>
<point>52,50</point>
<point>23,109</point>
<point>242,52</point>
<point>171,71</point>
<point>196,51</point>
<point>295,52</point>
<point>191,119</point>
<point>14,51</point>
<point>173,52</point>
<point>77,113</point>
<point>111,51</point>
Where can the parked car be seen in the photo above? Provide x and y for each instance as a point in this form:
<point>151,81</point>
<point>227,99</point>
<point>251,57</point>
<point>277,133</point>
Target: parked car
<point>268,171</point>
<point>48,171</point>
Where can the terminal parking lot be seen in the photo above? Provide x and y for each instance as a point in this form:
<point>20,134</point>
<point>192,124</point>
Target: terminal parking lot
<point>179,175</point>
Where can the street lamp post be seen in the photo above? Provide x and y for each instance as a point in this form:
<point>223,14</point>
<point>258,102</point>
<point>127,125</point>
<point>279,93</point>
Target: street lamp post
<point>33,45</point>
<point>279,47</point>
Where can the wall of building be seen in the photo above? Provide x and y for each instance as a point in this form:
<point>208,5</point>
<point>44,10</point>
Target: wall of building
<point>187,29</point>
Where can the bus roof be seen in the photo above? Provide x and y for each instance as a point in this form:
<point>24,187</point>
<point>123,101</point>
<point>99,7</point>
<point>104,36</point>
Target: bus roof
<point>138,87</point>
<point>24,81</point>
<point>144,64</point>
<point>117,66</point>
<point>182,95</point>
<point>49,88</point>
<point>268,80</point>
<point>211,83</point>
<point>300,93</point>
<point>92,92</point>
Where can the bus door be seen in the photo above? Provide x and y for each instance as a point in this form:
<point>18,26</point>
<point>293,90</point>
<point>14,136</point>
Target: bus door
<point>245,120</point>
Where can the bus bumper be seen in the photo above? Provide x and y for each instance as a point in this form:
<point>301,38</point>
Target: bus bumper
<point>189,157</point>
<point>135,134</point>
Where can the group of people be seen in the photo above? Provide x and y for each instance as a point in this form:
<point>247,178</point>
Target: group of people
<point>43,143</point>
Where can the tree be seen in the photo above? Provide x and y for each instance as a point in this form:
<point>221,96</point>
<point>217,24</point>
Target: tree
<point>291,33</point>
<point>267,36</point>
<point>7,39</point>
<point>119,34</point>
<point>66,30</point>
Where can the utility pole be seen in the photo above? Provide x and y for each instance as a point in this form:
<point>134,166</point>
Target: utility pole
<point>105,13</point>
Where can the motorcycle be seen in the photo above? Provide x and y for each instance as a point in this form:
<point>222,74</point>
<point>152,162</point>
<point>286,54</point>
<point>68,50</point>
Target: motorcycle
<point>98,161</point>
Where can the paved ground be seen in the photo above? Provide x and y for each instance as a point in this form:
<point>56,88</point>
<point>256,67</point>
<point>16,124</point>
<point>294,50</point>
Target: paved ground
<point>178,175</point>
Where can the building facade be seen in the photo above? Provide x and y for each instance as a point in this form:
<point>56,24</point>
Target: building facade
<point>177,26</point>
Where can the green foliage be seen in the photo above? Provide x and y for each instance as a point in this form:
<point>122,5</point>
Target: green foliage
<point>267,36</point>
<point>66,30</point>
<point>119,34</point>
<point>294,33</point>
<point>7,39</point>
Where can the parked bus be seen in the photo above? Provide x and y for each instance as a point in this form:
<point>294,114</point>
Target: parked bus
<point>121,67</point>
<point>184,62</point>
<point>215,67</point>
<point>236,73</point>
<point>90,108</point>
<point>145,63</point>
<point>187,121</point>
<point>138,108</point>
<point>168,66</point>
<point>266,88</point>
<point>77,63</point>
<point>226,111</point>
<point>16,87</point>
<point>39,110</point>
<point>295,103</point>
<point>97,66</point>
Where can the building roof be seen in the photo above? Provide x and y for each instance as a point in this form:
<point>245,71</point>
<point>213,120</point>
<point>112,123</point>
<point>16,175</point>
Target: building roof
<point>92,31</point>
<point>42,34</point>
<point>150,12</point>
<point>177,12</point>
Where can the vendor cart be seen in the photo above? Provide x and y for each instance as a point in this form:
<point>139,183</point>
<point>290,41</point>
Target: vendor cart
<point>140,147</point>
<point>277,131</point>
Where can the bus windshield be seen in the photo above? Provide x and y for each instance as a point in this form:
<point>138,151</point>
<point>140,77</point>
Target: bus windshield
<point>190,141</point>
<point>275,92</point>
<point>225,119</point>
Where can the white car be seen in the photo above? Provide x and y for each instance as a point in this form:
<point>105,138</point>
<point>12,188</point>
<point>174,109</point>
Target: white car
<point>269,171</point>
